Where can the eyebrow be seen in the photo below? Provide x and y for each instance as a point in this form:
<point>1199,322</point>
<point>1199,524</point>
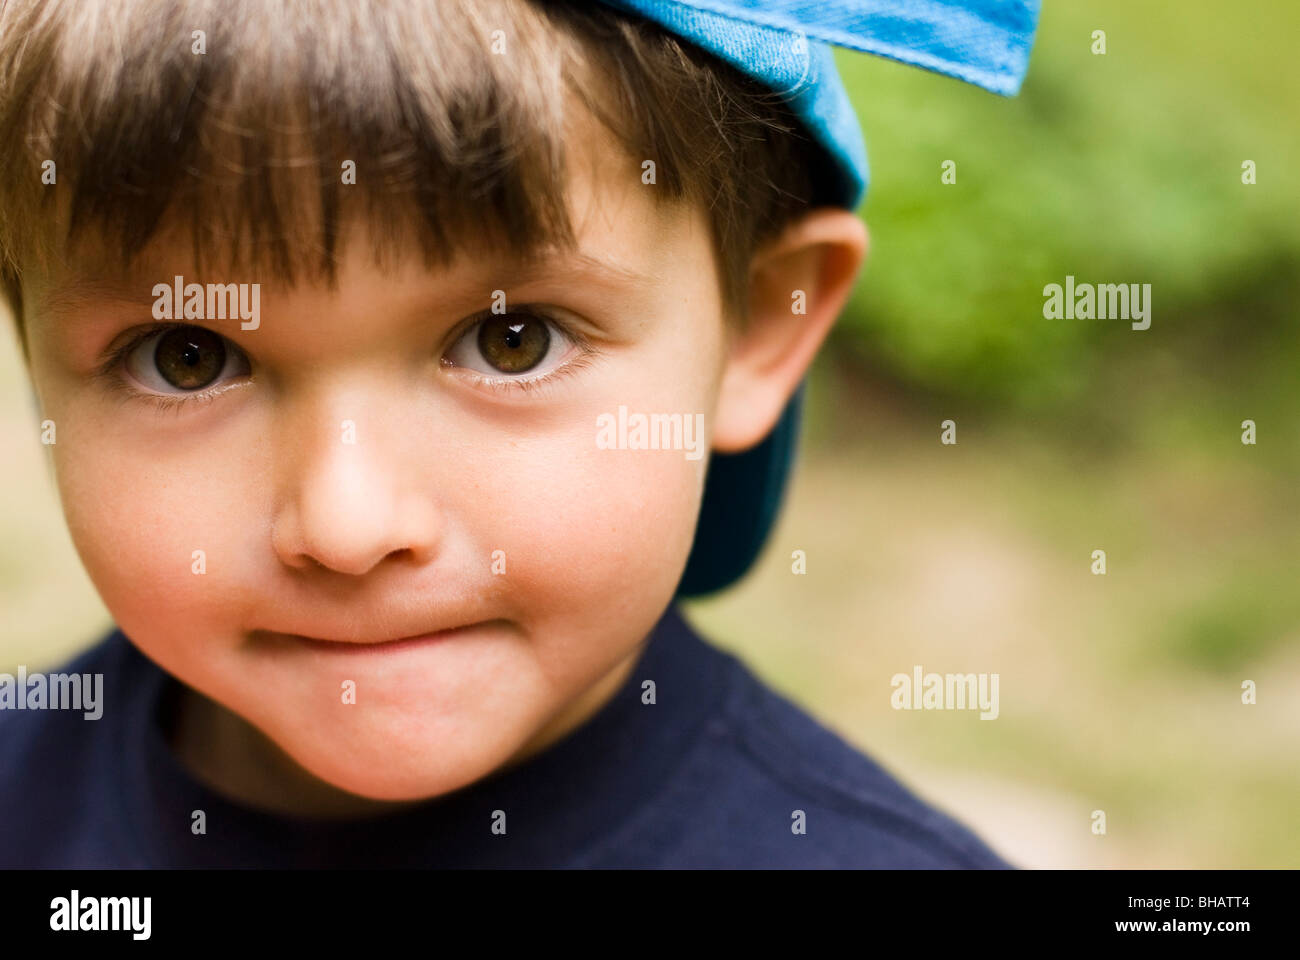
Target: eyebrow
<point>584,266</point>
<point>86,290</point>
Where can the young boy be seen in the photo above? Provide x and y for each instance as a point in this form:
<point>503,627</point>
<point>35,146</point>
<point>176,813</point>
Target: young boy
<point>379,354</point>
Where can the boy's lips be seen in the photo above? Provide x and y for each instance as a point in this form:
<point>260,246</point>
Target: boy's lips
<point>369,645</point>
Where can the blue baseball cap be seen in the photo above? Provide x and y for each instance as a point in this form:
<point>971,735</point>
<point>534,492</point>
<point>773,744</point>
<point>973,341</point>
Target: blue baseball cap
<point>786,46</point>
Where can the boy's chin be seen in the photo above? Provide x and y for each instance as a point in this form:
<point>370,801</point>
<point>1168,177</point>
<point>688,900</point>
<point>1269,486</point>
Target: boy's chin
<point>400,763</point>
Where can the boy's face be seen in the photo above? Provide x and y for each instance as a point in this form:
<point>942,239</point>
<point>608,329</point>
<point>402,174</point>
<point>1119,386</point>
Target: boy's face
<point>351,477</point>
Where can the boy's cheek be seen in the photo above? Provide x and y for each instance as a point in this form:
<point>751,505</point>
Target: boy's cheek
<point>164,542</point>
<point>601,525</point>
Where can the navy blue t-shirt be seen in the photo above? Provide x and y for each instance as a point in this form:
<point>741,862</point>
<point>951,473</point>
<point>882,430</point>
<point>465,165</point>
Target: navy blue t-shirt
<point>710,775</point>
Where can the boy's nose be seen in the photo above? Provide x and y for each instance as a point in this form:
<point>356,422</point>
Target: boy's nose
<point>347,506</point>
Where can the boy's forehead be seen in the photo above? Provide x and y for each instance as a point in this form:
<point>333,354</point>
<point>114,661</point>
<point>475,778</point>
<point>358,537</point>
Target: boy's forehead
<point>626,235</point>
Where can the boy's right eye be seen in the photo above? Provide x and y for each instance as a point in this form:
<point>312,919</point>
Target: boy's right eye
<point>182,358</point>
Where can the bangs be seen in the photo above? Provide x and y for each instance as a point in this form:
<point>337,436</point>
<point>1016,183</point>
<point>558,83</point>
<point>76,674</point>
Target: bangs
<point>267,127</point>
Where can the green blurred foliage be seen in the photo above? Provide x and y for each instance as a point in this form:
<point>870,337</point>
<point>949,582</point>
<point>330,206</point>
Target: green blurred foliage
<point>1123,167</point>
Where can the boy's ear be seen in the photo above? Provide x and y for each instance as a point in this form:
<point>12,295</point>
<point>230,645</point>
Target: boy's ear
<point>798,283</point>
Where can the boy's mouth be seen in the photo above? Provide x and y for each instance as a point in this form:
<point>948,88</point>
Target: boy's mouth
<point>377,645</point>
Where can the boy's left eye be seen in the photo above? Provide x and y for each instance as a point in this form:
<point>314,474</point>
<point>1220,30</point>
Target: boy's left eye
<point>512,343</point>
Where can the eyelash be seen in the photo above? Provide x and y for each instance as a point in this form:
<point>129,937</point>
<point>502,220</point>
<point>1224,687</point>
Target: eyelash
<point>508,385</point>
<point>110,371</point>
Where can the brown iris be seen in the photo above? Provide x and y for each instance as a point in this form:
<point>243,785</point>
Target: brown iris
<point>190,357</point>
<point>513,343</point>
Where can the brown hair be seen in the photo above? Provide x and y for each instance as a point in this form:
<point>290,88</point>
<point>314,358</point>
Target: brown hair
<point>453,145</point>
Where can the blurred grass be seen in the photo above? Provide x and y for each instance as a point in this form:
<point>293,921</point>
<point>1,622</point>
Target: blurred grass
<point>1124,167</point>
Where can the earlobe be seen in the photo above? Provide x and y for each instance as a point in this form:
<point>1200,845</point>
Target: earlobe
<point>799,283</point>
